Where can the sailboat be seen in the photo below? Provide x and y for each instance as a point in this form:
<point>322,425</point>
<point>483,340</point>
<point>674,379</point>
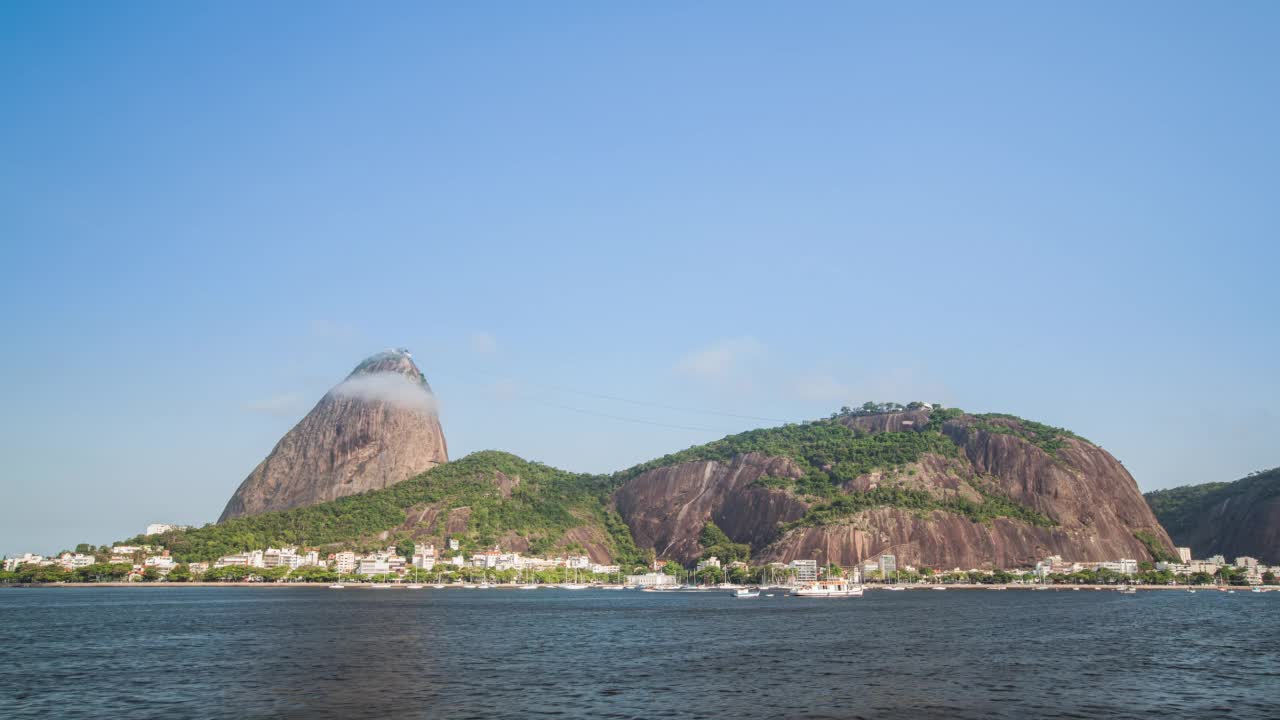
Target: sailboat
<point>338,585</point>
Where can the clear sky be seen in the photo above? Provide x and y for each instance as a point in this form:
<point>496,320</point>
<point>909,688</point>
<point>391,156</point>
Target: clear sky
<point>209,214</point>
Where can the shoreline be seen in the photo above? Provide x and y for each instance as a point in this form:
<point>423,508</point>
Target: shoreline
<point>868,588</point>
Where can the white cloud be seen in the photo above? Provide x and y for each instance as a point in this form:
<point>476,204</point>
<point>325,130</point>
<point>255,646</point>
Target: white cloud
<point>391,388</point>
<point>287,405</point>
<point>483,343</point>
<point>719,358</point>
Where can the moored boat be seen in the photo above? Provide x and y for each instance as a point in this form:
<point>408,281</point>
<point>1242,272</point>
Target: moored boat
<point>827,589</point>
<point>746,593</point>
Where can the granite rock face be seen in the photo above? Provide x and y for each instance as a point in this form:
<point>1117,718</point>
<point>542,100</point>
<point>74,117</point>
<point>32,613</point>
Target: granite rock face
<point>375,429</point>
<point>1240,518</point>
<point>1093,503</point>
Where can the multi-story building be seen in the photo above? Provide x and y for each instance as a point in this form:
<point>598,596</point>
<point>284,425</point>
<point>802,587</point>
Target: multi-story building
<point>651,580</point>
<point>198,568</point>
<point>805,570</point>
<point>580,562</point>
<point>279,557</point>
<point>485,559</point>
<point>344,562</point>
<point>1246,562</point>
<point>1184,555</point>
<point>711,562</point>
<point>162,563</point>
<point>310,558</point>
<point>604,569</point>
<point>158,528</point>
<point>888,564</point>
<point>373,565</point>
<point>252,559</point>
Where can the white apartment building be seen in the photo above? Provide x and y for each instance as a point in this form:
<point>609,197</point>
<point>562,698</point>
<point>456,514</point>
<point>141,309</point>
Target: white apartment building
<point>1246,562</point>
<point>12,564</point>
<point>372,565</point>
<point>711,562</point>
<point>344,562</point>
<point>157,528</point>
<point>1184,555</point>
<point>163,563</point>
<point>651,580</point>
<point>805,570</point>
<point>604,569</point>
<point>248,559</point>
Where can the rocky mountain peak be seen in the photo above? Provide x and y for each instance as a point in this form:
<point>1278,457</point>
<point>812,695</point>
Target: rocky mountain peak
<point>376,428</point>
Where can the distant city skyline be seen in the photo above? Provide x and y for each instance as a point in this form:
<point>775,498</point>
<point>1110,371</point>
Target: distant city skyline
<point>609,233</point>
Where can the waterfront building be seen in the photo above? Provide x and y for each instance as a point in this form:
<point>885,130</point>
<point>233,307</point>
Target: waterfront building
<point>604,569</point>
<point>806,571</point>
<point>162,563</point>
<point>653,579</point>
<point>344,562</point>
<point>888,565</point>
<point>487,559</point>
<point>198,568</point>
<point>373,565</point>
<point>424,558</point>
<point>1246,562</point>
<point>283,557</point>
<point>248,559</point>
<point>1184,555</point>
<point>579,562</point>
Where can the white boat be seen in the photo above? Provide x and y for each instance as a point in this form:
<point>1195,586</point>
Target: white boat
<point>895,588</point>
<point>746,593</point>
<point>483,586</point>
<point>1256,590</point>
<point>1193,592</point>
<point>827,589</point>
<point>529,586</point>
<point>379,586</point>
<point>337,586</point>
<point>573,586</point>
<point>1128,590</point>
<point>414,586</point>
<point>438,586</point>
<point>937,587</point>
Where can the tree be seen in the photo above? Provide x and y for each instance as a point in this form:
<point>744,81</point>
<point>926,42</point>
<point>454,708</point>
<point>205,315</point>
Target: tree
<point>1268,578</point>
<point>406,548</point>
<point>180,573</point>
<point>150,574</point>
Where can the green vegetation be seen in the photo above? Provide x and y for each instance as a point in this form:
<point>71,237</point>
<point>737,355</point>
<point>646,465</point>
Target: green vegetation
<point>827,452</point>
<point>1180,510</point>
<point>993,505</point>
<point>541,507</point>
<point>1154,546</point>
<point>715,543</point>
<point>1046,437</point>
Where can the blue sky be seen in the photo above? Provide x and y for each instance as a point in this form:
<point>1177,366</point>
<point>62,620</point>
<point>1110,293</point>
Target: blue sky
<point>209,215</point>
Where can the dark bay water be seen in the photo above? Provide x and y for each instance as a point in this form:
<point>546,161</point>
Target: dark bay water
<point>317,653</point>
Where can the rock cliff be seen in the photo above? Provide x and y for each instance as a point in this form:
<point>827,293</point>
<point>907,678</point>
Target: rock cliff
<point>936,488</point>
<point>1240,518</point>
<point>375,429</point>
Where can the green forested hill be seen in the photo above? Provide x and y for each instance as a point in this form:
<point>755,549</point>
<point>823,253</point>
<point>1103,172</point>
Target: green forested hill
<point>1224,518</point>
<point>541,507</point>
